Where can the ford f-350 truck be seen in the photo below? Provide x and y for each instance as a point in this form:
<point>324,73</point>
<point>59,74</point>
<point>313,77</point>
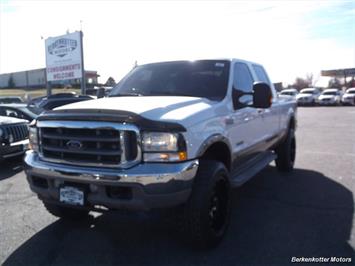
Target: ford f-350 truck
<point>177,135</point>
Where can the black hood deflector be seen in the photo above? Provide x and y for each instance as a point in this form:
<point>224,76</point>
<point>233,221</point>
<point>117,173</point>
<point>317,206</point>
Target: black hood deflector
<point>117,116</point>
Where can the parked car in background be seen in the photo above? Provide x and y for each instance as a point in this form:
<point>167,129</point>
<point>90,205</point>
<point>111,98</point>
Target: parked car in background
<point>99,92</point>
<point>13,137</point>
<point>308,96</point>
<point>20,110</point>
<point>56,100</point>
<point>288,93</point>
<point>329,97</point>
<point>348,97</point>
<point>10,99</point>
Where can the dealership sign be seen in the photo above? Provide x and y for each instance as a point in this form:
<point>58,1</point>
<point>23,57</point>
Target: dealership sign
<point>63,57</point>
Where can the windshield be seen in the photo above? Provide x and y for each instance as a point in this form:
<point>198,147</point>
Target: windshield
<point>351,92</point>
<point>291,93</point>
<point>330,93</point>
<point>33,109</point>
<point>309,91</point>
<point>205,78</point>
<point>10,100</point>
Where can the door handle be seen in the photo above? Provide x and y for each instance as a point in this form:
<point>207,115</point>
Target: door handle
<point>260,111</point>
<point>229,121</point>
<point>246,118</point>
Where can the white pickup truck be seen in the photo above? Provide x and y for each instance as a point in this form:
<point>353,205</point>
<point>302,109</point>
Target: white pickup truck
<point>175,134</point>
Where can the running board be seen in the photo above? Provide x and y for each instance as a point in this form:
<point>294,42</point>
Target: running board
<point>251,168</point>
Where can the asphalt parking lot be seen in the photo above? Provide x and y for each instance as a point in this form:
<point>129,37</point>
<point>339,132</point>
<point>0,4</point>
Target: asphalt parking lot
<point>308,213</point>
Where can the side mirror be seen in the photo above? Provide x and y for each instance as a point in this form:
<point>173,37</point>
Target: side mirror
<point>262,96</point>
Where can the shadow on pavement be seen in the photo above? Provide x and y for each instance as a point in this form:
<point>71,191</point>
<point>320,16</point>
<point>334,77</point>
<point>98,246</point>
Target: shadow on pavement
<point>275,217</point>
<point>10,167</point>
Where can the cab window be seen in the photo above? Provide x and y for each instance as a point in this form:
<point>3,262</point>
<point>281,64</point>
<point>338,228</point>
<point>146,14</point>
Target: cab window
<point>11,113</point>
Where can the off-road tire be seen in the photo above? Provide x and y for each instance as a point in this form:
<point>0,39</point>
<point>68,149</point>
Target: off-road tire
<point>66,213</point>
<point>206,215</point>
<point>286,152</point>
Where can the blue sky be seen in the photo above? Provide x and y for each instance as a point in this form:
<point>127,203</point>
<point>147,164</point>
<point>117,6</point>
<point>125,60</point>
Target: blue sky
<point>333,22</point>
<point>291,38</point>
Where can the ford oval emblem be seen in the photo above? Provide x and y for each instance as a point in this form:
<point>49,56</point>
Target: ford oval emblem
<point>74,144</point>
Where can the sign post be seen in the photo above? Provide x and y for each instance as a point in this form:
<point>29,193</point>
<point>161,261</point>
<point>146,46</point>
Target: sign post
<point>83,78</point>
<point>64,59</point>
<point>48,84</point>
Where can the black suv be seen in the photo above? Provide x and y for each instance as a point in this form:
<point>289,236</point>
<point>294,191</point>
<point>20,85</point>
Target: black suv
<point>13,137</point>
<point>59,99</point>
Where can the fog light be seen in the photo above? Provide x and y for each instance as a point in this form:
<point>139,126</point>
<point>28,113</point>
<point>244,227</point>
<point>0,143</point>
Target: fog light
<point>58,183</point>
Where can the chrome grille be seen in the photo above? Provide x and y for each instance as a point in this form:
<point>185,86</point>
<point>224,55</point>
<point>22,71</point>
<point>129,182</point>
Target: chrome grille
<point>18,132</point>
<point>89,143</point>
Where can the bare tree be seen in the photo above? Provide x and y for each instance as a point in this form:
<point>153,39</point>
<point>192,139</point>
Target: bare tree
<point>334,83</point>
<point>309,79</point>
<point>110,82</point>
<point>300,83</point>
<point>11,83</point>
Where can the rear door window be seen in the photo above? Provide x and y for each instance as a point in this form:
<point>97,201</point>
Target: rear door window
<point>263,77</point>
<point>261,74</point>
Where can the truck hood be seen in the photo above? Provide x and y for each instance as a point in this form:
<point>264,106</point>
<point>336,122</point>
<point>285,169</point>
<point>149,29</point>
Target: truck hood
<point>5,120</point>
<point>163,108</point>
<point>348,95</point>
<point>304,95</point>
<point>327,97</point>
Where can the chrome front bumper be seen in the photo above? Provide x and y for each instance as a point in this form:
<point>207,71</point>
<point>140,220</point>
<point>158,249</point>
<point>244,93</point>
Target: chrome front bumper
<point>14,149</point>
<point>327,102</point>
<point>305,100</point>
<point>348,100</point>
<point>152,185</point>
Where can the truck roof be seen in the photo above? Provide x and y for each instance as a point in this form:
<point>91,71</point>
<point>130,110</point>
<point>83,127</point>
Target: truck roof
<point>231,59</point>
<point>329,90</point>
<point>290,90</point>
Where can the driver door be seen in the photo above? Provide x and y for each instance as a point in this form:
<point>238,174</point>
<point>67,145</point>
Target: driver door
<point>245,132</point>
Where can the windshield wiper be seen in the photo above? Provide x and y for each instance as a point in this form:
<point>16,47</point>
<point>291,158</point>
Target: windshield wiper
<point>126,94</point>
<point>166,93</point>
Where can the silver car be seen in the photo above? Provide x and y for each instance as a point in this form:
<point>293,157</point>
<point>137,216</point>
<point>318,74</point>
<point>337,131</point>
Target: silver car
<point>348,97</point>
<point>308,96</point>
<point>329,97</point>
<point>288,93</point>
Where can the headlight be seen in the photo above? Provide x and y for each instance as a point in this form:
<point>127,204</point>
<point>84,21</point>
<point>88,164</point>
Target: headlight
<point>163,147</point>
<point>33,138</point>
<point>157,141</point>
